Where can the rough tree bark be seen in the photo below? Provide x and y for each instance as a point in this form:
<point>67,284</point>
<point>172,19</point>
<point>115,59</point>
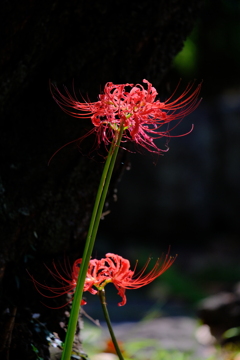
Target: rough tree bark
<point>45,210</point>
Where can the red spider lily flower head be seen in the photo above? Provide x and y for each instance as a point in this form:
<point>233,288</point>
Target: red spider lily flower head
<point>110,348</point>
<point>137,110</point>
<point>111,269</point>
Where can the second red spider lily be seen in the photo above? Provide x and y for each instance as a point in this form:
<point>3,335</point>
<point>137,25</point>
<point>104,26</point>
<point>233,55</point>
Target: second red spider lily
<point>133,106</point>
<point>112,269</point>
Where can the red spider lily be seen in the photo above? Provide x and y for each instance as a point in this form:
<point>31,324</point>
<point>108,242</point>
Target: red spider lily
<point>137,110</point>
<point>113,268</point>
<point>110,348</point>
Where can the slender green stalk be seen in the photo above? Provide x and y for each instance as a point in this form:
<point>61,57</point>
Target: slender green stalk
<point>92,232</point>
<point>101,294</point>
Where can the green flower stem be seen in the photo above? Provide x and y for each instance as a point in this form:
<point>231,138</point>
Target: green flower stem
<point>101,294</point>
<point>92,232</point>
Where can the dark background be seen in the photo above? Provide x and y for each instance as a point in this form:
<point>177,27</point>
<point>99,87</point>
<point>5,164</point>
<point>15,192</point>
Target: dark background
<point>188,198</point>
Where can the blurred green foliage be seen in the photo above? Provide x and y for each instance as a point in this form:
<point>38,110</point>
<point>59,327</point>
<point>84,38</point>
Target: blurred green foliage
<point>187,60</point>
<point>212,51</point>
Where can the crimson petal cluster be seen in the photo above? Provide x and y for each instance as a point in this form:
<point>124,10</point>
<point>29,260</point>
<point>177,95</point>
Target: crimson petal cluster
<point>111,269</point>
<point>137,110</point>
